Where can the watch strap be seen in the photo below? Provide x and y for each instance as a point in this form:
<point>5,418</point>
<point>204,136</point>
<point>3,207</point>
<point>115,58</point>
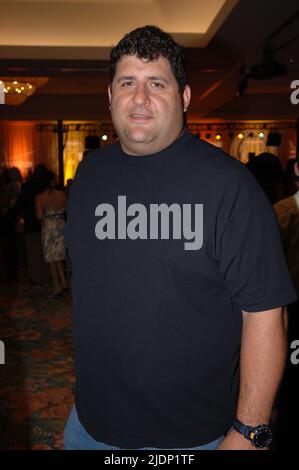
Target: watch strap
<point>260,436</point>
<point>243,428</point>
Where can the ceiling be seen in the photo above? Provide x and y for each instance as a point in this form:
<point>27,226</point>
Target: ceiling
<point>69,42</point>
<point>100,24</point>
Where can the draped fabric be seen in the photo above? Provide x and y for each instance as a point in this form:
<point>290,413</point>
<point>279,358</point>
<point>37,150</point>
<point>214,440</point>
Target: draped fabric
<point>21,145</point>
<point>240,148</point>
<point>73,151</point>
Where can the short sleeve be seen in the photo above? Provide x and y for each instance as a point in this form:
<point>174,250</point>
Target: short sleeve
<point>249,249</point>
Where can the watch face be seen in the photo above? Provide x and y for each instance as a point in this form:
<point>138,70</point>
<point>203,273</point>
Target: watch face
<point>262,436</point>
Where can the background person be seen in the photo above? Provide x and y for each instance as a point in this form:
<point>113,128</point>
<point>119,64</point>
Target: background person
<point>50,209</point>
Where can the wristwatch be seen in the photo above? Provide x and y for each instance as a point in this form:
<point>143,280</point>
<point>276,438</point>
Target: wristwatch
<point>260,436</point>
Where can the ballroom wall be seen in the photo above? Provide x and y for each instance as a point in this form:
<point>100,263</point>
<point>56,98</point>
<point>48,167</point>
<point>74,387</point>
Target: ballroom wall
<point>25,143</point>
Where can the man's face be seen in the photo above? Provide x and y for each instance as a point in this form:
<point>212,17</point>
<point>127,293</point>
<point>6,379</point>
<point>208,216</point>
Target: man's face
<point>146,106</point>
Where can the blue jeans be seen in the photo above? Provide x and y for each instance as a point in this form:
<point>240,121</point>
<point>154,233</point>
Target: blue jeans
<point>76,438</point>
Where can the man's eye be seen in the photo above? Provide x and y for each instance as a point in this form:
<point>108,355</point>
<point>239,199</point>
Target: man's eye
<point>125,84</point>
<point>157,85</point>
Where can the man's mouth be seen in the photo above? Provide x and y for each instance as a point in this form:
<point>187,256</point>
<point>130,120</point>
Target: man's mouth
<point>140,117</point>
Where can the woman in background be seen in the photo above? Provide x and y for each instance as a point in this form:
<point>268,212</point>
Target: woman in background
<point>50,209</point>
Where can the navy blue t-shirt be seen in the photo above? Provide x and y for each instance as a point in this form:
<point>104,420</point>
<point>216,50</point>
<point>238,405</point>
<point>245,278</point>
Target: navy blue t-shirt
<point>167,250</point>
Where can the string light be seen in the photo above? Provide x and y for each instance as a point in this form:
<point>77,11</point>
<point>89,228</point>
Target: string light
<point>240,135</point>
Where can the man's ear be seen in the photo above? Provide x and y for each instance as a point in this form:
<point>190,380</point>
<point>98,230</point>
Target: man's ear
<point>296,168</point>
<point>109,93</point>
<point>186,97</point>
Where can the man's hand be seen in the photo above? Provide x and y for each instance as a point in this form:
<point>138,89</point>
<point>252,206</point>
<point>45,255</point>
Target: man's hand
<point>235,441</point>
<point>262,360</point>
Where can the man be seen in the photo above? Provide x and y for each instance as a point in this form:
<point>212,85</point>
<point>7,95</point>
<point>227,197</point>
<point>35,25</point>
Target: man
<point>176,257</point>
<point>287,212</point>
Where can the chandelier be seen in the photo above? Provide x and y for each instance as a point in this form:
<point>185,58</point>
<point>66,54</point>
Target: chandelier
<point>18,89</point>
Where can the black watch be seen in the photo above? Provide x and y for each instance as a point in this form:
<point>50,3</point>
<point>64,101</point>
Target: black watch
<point>260,436</point>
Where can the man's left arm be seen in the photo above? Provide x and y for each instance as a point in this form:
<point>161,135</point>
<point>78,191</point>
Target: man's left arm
<point>262,361</point>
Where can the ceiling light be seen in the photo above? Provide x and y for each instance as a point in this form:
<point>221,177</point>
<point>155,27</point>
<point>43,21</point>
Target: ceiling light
<point>243,84</point>
<point>269,68</point>
<point>274,139</point>
<point>16,91</point>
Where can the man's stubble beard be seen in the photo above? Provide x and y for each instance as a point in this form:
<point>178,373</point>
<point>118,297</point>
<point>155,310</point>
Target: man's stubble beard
<point>146,137</point>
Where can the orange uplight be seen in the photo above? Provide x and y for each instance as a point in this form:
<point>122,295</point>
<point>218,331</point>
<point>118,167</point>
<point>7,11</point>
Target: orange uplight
<point>19,146</point>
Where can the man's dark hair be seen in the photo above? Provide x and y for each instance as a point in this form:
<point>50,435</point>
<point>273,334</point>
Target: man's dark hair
<point>150,42</point>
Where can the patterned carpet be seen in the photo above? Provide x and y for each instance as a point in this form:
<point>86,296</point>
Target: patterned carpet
<point>37,379</point>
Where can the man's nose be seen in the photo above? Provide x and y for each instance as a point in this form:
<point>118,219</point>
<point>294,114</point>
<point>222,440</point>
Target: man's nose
<point>141,96</point>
